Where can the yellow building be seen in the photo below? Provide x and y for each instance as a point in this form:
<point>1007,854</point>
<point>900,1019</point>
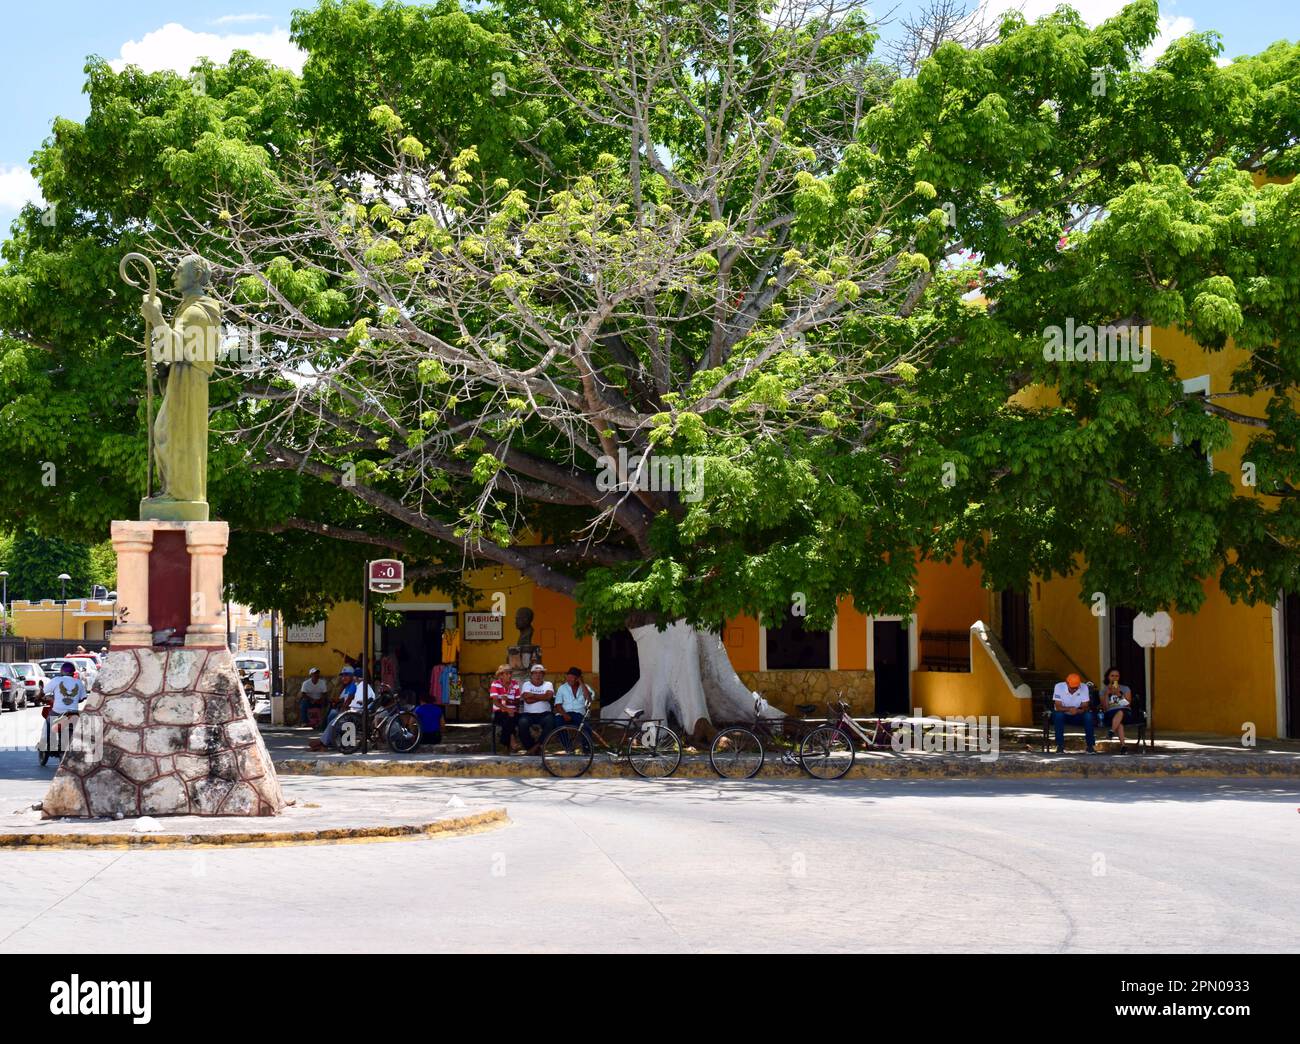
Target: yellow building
<point>966,650</point>
<point>86,620</point>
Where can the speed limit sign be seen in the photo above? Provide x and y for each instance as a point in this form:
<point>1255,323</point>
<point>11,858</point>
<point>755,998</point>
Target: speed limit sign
<point>387,576</point>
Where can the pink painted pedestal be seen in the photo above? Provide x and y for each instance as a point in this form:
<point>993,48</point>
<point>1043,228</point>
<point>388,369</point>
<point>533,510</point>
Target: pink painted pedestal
<point>167,730</point>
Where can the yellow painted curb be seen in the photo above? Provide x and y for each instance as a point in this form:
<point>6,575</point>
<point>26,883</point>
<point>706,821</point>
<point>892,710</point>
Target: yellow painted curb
<point>531,768</point>
<point>452,827</point>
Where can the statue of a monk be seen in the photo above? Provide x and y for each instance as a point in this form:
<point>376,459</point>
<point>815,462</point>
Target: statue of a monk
<point>188,351</point>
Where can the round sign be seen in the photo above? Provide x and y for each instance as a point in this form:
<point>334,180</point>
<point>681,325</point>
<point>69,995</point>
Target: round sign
<point>1153,630</point>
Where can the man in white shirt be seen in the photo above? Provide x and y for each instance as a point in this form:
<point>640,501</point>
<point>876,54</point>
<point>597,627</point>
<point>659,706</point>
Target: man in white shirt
<point>69,694</point>
<point>1071,703</point>
<point>352,698</point>
<point>535,695</point>
<point>312,695</point>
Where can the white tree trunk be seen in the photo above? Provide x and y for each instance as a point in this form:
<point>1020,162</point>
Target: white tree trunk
<point>686,675</point>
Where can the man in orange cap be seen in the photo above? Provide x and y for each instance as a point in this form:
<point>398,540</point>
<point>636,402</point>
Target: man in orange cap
<point>1072,703</point>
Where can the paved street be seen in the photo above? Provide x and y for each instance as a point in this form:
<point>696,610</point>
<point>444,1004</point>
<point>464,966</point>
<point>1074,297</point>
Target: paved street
<point>690,865</point>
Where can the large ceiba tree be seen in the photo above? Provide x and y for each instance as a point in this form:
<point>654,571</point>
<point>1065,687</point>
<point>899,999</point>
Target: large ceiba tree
<point>685,309</point>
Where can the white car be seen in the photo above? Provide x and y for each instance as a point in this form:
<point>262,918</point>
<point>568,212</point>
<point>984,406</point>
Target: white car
<point>34,680</point>
<point>87,669</point>
<point>258,666</point>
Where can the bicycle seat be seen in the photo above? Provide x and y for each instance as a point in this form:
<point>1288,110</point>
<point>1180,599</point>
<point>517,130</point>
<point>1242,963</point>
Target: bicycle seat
<point>634,713</point>
<point>805,709</point>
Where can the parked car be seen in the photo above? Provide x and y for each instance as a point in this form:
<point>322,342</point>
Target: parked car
<point>13,693</point>
<point>53,666</point>
<point>34,680</point>
<point>257,667</point>
<point>87,669</point>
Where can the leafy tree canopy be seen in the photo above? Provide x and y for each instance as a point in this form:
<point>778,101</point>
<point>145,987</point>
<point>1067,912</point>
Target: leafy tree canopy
<point>496,255</point>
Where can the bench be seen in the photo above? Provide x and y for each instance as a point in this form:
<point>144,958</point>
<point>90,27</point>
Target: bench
<point>1135,720</point>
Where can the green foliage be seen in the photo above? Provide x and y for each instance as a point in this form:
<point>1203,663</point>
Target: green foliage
<point>820,446</point>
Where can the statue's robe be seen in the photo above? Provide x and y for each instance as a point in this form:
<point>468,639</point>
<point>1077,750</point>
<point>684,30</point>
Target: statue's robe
<point>181,428</point>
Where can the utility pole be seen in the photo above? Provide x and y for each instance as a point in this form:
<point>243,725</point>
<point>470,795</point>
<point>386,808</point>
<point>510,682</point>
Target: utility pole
<point>63,600</point>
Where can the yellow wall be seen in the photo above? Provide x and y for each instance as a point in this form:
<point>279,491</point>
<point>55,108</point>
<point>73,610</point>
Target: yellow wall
<point>1219,670</point>
<point>982,691</point>
<point>82,618</point>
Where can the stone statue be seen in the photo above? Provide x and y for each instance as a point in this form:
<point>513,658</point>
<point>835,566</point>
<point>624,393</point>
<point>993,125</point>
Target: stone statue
<point>524,621</point>
<point>186,352</point>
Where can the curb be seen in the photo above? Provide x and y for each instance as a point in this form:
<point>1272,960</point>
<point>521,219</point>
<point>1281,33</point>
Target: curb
<point>868,767</point>
<point>451,827</point>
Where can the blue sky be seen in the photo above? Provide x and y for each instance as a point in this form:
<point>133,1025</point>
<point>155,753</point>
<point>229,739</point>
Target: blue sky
<point>46,43</point>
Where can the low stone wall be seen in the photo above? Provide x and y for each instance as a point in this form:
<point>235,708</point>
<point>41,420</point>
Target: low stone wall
<point>786,689</point>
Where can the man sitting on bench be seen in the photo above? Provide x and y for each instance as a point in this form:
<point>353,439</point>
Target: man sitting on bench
<point>1071,703</point>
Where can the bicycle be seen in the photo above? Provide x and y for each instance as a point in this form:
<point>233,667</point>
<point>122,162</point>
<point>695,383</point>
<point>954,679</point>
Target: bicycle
<point>828,751</point>
<point>652,749</point>
<point>739,751</point>
<point>389,723</point>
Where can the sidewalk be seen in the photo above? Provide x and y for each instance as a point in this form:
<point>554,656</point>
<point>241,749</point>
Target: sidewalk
<point>320,812</point>
<point>1019,754</point>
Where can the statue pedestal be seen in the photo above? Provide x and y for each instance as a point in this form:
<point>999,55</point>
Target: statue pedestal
<point>521,657</point>
<point>167,729</point>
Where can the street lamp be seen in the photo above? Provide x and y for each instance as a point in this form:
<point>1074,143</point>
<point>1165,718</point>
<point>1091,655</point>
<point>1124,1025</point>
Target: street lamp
<point>63,599</point>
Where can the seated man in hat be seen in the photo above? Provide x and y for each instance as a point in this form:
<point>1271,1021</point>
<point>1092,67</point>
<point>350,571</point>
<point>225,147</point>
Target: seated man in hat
<point>536,695</point>
<point>1072,704</point>
<point>313,696</point>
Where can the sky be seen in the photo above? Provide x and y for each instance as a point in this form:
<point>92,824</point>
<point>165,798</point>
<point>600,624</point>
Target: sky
<point>44,45</point>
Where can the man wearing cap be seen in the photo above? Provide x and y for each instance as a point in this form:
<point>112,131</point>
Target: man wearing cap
<point>536,694</point>
<point>312,696</point>
<point>505,693</point>
<point>1071,703</point>
<point>572,700</point>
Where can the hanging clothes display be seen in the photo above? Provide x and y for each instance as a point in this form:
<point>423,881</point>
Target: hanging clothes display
<point>444,684</point>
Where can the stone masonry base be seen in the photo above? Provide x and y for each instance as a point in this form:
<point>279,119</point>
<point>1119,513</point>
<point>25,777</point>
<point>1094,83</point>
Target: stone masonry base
<point>166,732</point>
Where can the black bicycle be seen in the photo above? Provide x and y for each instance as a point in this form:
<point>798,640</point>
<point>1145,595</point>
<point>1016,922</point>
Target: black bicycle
<point>652,749</point>
<point>390,723</point>
<point>739,751</point>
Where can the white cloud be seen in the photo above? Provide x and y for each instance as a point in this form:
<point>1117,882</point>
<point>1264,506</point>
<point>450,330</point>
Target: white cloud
<point>240,19</point>
<point>17,189</point>
<point>177,48</point>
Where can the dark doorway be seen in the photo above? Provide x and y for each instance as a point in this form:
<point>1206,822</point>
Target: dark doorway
<point>416,643</point>
<point>620,666</point>
<point>1125,653</point>
<point>1291,627</point>
<point>1015,628</point>
<point>892,667</point>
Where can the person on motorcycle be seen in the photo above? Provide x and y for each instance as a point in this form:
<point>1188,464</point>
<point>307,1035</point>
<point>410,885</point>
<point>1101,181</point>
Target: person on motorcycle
<point>69,694</point>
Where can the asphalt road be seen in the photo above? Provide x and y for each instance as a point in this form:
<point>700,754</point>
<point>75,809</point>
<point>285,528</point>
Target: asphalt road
<point>1176,865</point>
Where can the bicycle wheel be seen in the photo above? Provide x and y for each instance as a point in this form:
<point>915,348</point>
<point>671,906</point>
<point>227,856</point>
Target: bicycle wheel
<point>736,753</point>
<point>403,732</point>
<point>347,732</point>
<point>654,751</point>
<point>567,752</point>
<point>826,753</point>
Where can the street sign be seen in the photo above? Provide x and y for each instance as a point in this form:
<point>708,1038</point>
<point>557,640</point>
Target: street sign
<point>387,576</point>
<point>1154,630</point>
